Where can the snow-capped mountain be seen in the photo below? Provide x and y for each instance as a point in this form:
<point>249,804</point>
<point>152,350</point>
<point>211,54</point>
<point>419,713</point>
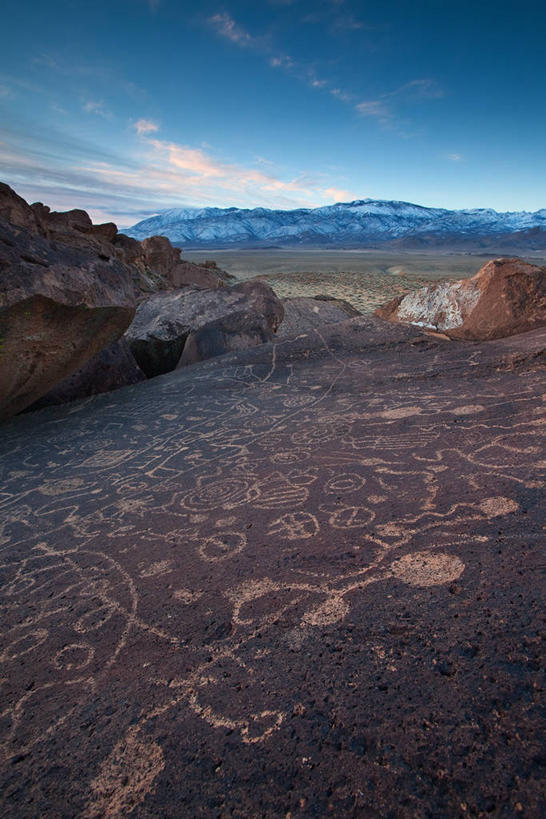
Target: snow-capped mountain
<point>366,222</point>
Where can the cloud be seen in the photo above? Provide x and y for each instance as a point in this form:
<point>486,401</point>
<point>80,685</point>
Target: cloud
<point>283,61</point>
<point>65,173</point>
<point>340,195</point>
<point>145,126</point>
<point>375,108</point>
<point>416,90</point>
<point>383,108</point>
<point>454,157</point>
<point>96,107</point>
<point>344,96</point>
<point>228,28</point>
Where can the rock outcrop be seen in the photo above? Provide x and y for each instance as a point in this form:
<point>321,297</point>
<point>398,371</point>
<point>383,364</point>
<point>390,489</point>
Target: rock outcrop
<point>68,289</point>
<point>304,579</point>
<point>505,297</point>
<point>59,305</point>
<point>210,322</point>
<point>156,264</point>
<point>302,314</point>
<point>111,368</point>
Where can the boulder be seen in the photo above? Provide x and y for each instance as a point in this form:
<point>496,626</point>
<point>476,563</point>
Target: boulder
<point>263,299</point>
<point>212,321</point>
<point>505,297</point>
<point>234,331</point>
<point>160,255</point>
<point>164,260</point>
<point>302,314</point>
<point>59,306</point>
<point>187,274</point>
<point>113,367</point>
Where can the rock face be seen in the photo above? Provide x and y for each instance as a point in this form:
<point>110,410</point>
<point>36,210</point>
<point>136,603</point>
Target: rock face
<point>59,306</point>
<point>156,264</point>
<point>236,330</point>
<point>304,579</point>
<point>303,314</point>
<point>165,260</point>
<point>111,368</point>
<point>211,322</point>
<point>505,297</point>
<point>68,289</point>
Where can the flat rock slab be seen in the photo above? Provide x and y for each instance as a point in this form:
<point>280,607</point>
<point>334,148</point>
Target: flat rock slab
<point>303,579</point>
<point>303,313</point>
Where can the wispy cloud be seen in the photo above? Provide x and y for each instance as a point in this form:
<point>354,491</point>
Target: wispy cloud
<point>157,174</point>
<point>145,126</point>
<point>226,26</point>
<point>96,107</point>
<point>454,157</point>
<point>340,195</point>
<point>376,108</point>
<point>416,90</point>
<point>385,107</point>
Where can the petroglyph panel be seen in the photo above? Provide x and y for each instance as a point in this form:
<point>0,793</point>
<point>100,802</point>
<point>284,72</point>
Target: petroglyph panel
<point>231,565</point>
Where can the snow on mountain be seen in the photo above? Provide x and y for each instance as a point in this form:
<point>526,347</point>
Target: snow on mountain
<point>365,221</point>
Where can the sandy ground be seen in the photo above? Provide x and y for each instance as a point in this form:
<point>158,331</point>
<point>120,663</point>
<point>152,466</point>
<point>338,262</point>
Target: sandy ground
<point>365,278</point>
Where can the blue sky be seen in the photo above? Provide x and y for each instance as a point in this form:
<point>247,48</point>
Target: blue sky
<point>125,107</point>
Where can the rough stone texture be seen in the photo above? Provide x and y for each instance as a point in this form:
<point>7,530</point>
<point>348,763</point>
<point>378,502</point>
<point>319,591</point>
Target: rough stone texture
<point>302,579</point>
<point>14,209</point>
<point>187,274</point>
<point>506,296</point>
<point>156,264</point>
<point>235,330</point>
<point>111,368</point>
<point>59,305</point>
<point>263,299</point>
<point>160,254</point>
<point>164,322</point>
<point>165,259</point>
<point>303,314</point>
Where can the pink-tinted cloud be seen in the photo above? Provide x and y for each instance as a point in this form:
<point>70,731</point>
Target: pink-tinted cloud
<point>145,126</point>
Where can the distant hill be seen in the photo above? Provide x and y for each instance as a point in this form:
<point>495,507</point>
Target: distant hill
<point>363,223</point>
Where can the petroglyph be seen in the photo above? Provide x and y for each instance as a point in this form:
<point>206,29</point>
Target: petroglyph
<point>197,563</point>
<point>126,777</point>
<point>427,568</point>
<point>295,526</point>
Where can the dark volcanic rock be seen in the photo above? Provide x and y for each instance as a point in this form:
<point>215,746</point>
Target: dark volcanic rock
<point>59,305</point>
<point>506,296</point>
<point>187,274</point>
<point>302,313</point>
<point>14,209</point>
<point>263,299</point>
<point>155,263</point>
<point>235,330</point>
<point>301,579</point>
<point>113,367</point>
<point>213,322</point>
<point>164,259</point>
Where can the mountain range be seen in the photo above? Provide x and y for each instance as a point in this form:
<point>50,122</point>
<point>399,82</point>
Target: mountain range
<point>362,223</point>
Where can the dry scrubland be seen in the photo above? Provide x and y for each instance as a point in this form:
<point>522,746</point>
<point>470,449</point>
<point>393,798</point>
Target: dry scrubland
<point>365,278</point>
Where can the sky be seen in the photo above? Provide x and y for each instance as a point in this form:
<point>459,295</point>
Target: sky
<point>126,107</point>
